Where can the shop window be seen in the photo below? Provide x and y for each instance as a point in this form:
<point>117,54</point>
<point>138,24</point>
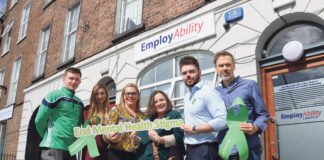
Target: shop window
<point>14,80</point>
<point>7,38</point>
<point>42,51</point>
<point>24,22</point>
<point>166,76</point>
<point>70,33</point>
<point>3,127</point>
<point>129,15</point>
<point>307,34</point>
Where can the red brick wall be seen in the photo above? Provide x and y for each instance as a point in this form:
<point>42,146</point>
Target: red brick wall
<point>100,16</point>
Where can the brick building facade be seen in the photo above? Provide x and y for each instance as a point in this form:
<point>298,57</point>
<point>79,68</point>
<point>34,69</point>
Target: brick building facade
<point>123,41</point>
<point>95,33</point>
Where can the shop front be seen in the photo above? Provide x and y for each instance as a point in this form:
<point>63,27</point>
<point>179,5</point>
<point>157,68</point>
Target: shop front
<point>292,68</point>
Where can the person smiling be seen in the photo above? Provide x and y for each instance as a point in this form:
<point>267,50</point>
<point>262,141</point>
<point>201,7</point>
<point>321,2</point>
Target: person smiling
<point>59,112</point>
<point>123,146</point>
<point>99,106</point>
<point>233,87</point>
<point>168,143</point>
<point>204,113</point>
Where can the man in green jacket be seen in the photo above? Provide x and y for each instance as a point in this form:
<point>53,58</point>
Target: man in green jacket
<point>58,113</point>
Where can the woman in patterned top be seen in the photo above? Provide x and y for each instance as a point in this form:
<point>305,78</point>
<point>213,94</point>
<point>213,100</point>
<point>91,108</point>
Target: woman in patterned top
<point>123,146</point>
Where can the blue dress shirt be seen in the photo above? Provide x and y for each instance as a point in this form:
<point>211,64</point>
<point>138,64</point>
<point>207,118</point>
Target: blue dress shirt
<point>204,105</point>
<point>249,91</point>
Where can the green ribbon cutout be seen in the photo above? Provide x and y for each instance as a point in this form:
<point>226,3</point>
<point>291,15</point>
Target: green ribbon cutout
<point>90,141</point>
<point>234,135</point>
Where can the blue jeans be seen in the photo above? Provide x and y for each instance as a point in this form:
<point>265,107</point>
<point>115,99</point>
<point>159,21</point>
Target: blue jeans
<point>254,154</point>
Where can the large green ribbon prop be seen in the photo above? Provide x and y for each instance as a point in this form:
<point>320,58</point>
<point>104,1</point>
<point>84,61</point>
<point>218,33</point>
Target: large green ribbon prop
<point>234,135</point>
<point>90,141</point>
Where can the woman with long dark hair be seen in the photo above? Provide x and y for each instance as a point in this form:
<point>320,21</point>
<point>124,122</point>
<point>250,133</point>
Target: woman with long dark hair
<point>168,143</point>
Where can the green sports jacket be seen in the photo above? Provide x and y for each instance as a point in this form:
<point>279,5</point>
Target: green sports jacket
<point>58,113</point>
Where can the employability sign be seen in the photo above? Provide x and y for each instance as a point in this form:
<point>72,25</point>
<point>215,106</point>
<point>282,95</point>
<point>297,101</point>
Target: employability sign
<point>191,31</point>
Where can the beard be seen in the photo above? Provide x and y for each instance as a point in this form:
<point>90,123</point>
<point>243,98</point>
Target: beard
<point>193,84</point>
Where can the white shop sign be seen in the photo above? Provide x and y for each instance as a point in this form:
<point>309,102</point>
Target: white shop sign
<point>185,33</point>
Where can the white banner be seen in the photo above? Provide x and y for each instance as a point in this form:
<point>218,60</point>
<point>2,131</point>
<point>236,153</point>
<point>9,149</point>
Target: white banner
<point>6,113</point>
<point>185,33</point>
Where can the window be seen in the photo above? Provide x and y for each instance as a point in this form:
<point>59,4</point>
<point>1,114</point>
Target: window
<point>13,2</point>
<point>2,74</point>
<point>7,38</point>
<point>306,34</point>
<point>24,21</point>
<point>71,25</point>
<point>42,51</point>
<point>3,127</point>
<point>14,80</point>
<point>48,3</point>
<point>129,15</point>
<point>166,76</point>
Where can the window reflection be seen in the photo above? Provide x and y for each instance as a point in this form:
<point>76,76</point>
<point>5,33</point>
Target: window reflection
<point>167,73</point>
<point>306,34</point>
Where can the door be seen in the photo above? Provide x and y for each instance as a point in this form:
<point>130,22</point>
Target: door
<point>294,95</point>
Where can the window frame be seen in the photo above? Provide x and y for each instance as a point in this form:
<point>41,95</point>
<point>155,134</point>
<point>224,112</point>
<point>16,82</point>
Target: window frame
<point>175,78</point>
<point>3,130</point>
<point>120,14</point>
<point>2,76</point>
<point>13,3</point>
<point>8,37</point>
<point>42,51</point>
<point>64,55</point>
<point>12,94</point>
<point>23,33</point>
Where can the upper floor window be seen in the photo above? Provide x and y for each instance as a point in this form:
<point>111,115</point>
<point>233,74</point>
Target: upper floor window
<point>166,76</point>
<point>13,2</point>
<point>24,21</point>
<point>129,15</point>
<point>70,33</point>
<point>7,38</point>
<point>14,81</point>
<point>2,74</point>
<point>42,51</point>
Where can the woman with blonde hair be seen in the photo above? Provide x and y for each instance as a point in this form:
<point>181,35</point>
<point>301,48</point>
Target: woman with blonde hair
<point>123,146</point>
<point>98,107</point>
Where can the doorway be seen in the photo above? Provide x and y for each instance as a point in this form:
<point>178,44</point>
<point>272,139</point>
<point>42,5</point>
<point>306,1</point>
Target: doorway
<point>294,95</point>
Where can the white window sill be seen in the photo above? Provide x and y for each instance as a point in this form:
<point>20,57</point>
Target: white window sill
<point>3,54</point>
<point>21,39</point>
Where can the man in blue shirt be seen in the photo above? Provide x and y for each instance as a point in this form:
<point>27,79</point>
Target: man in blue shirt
<point>233,87</point>
<point>204,113</point>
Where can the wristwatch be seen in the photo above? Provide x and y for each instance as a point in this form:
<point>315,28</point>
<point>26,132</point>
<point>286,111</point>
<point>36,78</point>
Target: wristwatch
<point>194,130</point>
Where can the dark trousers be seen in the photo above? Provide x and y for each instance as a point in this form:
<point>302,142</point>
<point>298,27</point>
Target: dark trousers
<point>206,151</point>
<point>254,154</point>
<point>56,154</point>
<point>120,155</point>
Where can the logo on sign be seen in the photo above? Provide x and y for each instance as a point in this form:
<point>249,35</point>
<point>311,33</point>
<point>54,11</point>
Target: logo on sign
<point>179,33</point>
<point>306,115</point>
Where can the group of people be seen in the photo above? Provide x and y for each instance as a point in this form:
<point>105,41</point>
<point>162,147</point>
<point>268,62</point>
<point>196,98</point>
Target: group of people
<point>199,138</point>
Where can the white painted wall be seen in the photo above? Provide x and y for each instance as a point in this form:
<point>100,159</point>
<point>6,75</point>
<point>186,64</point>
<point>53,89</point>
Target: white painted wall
<point>240,40</point>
